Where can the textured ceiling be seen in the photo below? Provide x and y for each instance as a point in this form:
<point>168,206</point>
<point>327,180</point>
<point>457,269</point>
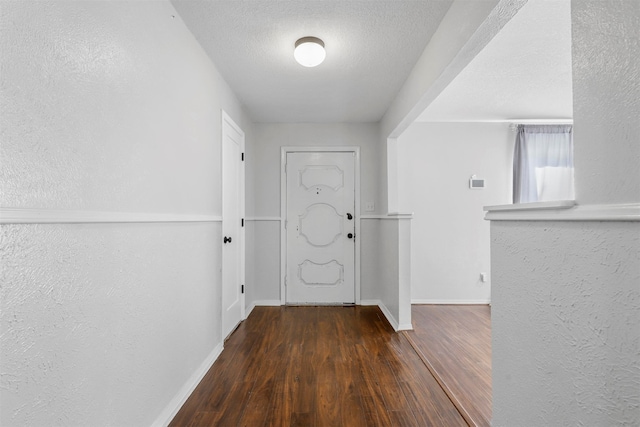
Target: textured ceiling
<point>523,73</point>
<point>371,48</point>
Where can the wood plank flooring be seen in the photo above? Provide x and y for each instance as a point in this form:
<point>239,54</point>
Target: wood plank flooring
<point>318,366</point>
<point>455,343</point>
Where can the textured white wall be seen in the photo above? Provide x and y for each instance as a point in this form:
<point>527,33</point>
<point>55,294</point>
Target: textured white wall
<point>103,324</point>
<point>565,316</point>
<point>263,173</point>
<point>566,296</point>
<point>106,106</point>
<point>606,64</point>
<point>450,237</point>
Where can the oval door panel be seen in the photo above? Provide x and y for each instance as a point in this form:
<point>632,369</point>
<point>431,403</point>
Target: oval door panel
<point>320,224</point>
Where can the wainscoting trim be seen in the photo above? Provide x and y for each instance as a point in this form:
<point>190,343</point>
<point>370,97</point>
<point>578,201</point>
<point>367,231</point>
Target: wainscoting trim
<point>563,211</point>
<point>263,303</point>
<point>53,216</point>
<point>394,217</point>
<point>451,301</point>
<point>390,216</point>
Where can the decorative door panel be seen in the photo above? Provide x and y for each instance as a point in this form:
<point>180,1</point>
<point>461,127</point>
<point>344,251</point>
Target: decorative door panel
<point>320,228</point>
<point>320,225</point>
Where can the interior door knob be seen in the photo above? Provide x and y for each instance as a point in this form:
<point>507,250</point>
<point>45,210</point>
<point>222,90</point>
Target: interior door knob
<point>349,216</point>
<point>227,239</point>
<point>350,235</point>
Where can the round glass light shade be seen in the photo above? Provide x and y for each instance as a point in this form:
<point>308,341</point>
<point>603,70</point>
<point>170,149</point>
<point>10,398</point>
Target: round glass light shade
<point>309,51</point>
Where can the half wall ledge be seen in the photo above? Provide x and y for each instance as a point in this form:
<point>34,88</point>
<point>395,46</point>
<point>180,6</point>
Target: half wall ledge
<point>563,210</point>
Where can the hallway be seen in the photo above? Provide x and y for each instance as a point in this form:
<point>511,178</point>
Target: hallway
<point>318,366</point>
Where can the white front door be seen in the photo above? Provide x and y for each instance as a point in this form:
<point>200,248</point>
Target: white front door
<point>232,232</point>
<point>320,227</point>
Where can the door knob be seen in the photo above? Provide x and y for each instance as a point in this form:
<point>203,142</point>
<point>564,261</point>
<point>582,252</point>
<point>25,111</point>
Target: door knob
<point>227,239</point>
<point>349,216</point>
<point>350,235</point>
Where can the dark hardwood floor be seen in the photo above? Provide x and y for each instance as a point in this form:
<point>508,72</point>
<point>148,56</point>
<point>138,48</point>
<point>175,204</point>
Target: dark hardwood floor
<point>455,343</point>
<point>318,366</point>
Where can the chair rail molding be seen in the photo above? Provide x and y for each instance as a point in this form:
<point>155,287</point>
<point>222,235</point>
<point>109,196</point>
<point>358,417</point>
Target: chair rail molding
<point>565,210</point>
<point>55,216</point>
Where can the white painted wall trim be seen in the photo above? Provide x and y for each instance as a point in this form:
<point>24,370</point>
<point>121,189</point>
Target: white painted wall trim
<point>183,394</point>
<point>392,320</point>
<point>558,204</point>
<point>263,303</point>
<point>398,215</point>
<point>248,310</point>
<point>449,302</point>
<point>390,216</point>
<point>53,216</point>
<point>563,211</point>
<point>369,302</point>
<point>264,218</point>
<point>268,303</point>
<point>374,217</point>
<point>507,121</point>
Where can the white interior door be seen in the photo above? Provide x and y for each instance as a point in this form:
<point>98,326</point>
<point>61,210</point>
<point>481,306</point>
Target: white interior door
<point>320,227</point>
<point>232,231</point>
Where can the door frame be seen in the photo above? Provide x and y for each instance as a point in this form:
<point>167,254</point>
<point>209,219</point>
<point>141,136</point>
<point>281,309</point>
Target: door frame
<point>283,210</point>
<point>226,120</point>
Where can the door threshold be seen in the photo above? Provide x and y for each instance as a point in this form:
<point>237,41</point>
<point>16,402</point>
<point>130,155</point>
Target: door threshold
<point>320,304</point>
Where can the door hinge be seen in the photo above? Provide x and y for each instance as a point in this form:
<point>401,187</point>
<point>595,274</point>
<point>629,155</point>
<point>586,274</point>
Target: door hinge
<point>242,157</point>
<point>242,289</point>
<point>242,222</point>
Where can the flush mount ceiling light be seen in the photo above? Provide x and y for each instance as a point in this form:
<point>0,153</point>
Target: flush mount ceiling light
<point>309,51</point>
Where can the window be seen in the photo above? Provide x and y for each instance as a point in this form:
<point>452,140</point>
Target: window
<point>543,163</point>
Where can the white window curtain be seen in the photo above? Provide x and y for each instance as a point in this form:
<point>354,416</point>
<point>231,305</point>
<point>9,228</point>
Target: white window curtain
<point>543,163</point>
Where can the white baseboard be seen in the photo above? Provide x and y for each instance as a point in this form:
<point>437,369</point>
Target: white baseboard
<point>405,327</point>
<point>183,394</point>
<point>392,320</point>
<point>452,301</point>
<point>262,303</point>
<point>247,311</point>
<point>268,303</point>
